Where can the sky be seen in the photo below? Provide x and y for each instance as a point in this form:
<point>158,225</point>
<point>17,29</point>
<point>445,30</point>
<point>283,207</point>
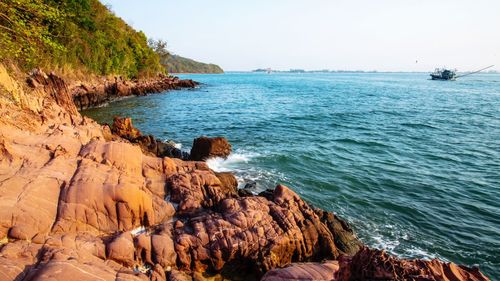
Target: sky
<point>383,35</point>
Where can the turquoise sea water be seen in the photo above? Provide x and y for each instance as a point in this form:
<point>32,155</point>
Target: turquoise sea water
<point>412,164</point>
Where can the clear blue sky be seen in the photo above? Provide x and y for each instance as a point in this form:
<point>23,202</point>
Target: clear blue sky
<point>324,34</point>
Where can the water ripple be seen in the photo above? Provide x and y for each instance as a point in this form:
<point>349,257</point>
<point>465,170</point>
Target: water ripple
<point>412,164</point>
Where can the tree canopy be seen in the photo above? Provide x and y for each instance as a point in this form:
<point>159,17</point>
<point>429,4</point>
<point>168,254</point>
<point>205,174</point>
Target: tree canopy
<point>83,35</point>
<point>75,34</point>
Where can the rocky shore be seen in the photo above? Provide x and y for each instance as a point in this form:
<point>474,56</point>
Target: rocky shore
<point>87,95</point>
<point>83,201</point>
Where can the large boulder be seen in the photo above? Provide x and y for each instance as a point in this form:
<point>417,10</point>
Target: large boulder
<point>54,86</point>
<point>106,192</point>
<point>196,190</point>
<point>205,147</point>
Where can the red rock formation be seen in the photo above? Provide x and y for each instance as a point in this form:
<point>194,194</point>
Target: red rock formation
<point>304,271</point>
<point>79,203</point>
<point>122,127</point>
<point>253,233</point>
<point>343,234</point>
<point>87,96</point>
<point>204,148</point>
<point>229,183</point>
<point>369,264</point>
<point>55,87</point>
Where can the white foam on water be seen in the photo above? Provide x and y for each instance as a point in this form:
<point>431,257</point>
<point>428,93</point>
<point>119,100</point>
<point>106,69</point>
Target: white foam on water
<point>391,237</point>
<point>418,253</point>
<point>219,164</point>
<point>177,145</point>
<point>385,236</point>
<point>238,164</point>
<point>382,242</point>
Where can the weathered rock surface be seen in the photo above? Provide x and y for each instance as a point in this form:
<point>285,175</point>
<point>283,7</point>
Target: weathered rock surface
<point>344,237</point>
<point>204,148</point>
<point>304,271</point>
<point>253,233</point>
<point>123,127</point>
<point>228,182</point>
<point>78,202</point>
<point>370,264</point>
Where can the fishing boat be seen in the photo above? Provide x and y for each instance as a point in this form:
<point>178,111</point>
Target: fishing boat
<point>451,75</point>
<point>444,74</point>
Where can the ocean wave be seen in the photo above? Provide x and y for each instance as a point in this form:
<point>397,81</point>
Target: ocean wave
<point>232,162</point>
<point>360,142</point>
<point>177,145</point>
<point>419,126</point>
<point>382,241</point>
<point>240,164</point>
<point>418,253</point>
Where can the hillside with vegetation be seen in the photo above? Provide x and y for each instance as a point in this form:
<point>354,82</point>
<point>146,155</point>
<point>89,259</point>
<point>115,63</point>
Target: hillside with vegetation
<point>77,36</point>
<point>178,64</point>
<point>80,34</point>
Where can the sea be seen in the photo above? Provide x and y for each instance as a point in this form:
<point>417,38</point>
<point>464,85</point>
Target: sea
<point>412,164</point>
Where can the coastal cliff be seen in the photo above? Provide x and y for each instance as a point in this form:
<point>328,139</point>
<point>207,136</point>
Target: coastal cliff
<point>84,201</point>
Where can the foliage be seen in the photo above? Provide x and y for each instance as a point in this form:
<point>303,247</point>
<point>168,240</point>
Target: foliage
<point>76,34</point>
<point>160,47</point>
<point>178,64</point>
